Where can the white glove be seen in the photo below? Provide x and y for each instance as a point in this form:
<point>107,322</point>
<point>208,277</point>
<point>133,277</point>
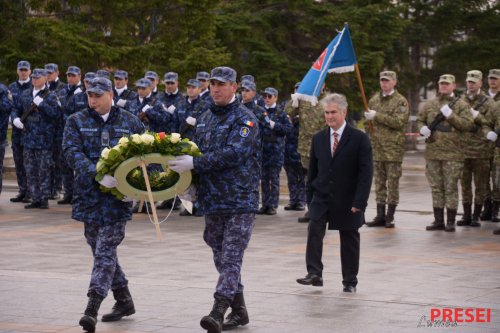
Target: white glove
<point>425,132</point>
<point>181,163</point>
<point>492,136</point>
<point>191,121</point>
<point>77,91</point>
<point>37,100</point>
<point>474,113</point>
<point>446,111</point>
<point>271,124</point>
<point>17,122</point>
<point>121,102</point>
<point>108,181</point>
<point>127,199</point>
<point>370,114</point>
<point>171,109</point>
<point>146,108</point>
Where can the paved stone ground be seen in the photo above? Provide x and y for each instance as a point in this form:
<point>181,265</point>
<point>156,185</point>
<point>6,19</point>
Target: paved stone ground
<point>405,272</point>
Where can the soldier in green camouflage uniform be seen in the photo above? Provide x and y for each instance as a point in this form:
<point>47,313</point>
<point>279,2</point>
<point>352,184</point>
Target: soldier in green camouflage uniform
<point>492,202</point>
<point>494,115</point>
<point>389,112</point>
<point>478,150</point>
<point>311,121</point>
<point>444,151</point>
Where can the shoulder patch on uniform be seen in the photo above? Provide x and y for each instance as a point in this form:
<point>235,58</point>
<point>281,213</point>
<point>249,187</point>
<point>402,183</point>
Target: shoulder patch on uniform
<point>244,131</point>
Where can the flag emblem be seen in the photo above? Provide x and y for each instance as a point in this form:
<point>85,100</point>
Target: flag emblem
<point>319,62</point>
<point>249,123</point>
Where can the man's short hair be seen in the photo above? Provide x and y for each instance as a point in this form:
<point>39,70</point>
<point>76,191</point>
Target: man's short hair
<point>335,98</point>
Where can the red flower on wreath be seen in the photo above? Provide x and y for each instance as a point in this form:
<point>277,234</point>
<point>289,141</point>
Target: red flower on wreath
<point>162,135</point>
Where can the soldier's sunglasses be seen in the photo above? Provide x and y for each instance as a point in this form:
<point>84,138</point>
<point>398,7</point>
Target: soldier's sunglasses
<point>267,96</point>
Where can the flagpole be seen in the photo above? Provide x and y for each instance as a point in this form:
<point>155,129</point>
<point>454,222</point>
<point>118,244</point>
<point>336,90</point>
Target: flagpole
<point>363,96</point>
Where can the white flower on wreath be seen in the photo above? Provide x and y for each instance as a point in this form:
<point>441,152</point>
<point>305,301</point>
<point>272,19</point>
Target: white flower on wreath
<point>175,137</point>
<point>136,138</point>
<point>194,146</point>
<point>123,142</point>
<point>105,153</point>
<point>147,138</point>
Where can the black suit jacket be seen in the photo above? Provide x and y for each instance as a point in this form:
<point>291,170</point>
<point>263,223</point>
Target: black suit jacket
<point>335,185</point>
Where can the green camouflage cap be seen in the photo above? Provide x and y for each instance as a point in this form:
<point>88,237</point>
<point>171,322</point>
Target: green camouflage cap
<point>448,78</point>
<point>474,76</point>
<point>494,73</point>
<point>388,75</point>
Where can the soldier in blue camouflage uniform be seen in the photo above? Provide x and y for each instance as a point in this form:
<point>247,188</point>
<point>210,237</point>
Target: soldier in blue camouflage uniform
<point>37,113</point>
<point>259,99</point>
<point>56,86</point>
<point>104,217</point>
<point>153,77</point>
<point>121,92</point>
<point>16,88</point>
<point>293,165</point>
<point>189,109</point>
<point>147,108</point>
<point>204,79</point>
<point>6,104</point>
<point>274,126</point>
<point>79,101</point>
<point>228,137</point>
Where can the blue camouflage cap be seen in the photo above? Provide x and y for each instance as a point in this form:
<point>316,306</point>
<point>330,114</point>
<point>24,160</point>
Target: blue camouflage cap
<point>193,83</point>
<point>73,70</point>
<point>99,85</point>
<point>89,76</point>
<point>23,64</point>
<point>297,84</point>
<point>223,74</point>
<point>51,68</point>
<point>171,77</point>
<point>151,75</point>
<point>120,74</point>
<point>202,76</point>
<point>102,73</point>
<point>143,83</point>
<point>247,77</point>
<point>38,72</point>
<point>271,91</point>
<point>249,85</point>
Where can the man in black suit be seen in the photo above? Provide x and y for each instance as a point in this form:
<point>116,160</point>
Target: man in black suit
<point>338,185</point>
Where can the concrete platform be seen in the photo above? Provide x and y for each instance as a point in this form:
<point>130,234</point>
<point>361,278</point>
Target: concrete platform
<point>405,272</point>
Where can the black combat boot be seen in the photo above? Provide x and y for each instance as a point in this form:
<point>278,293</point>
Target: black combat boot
<point>123,307</point>
<point>495,205</point>
<point>496,231</point>
<point>438,223</point>
<point>213,322</point>
<point>450,220</point>
<point>89,320</point>
<point>18,198</point>
<point>389,217</point>
<point>486,214</point>
<point>476,215</point>
<point>379,220</point>
<point>238,315</point>
<point>305,218</point>
<point>467,217</point>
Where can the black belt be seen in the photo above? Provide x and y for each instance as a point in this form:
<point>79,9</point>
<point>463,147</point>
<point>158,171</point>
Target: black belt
<point>442,128</point>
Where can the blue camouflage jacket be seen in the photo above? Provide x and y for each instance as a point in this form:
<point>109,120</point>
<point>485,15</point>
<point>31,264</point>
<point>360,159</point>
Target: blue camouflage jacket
<point>5,107</point>
<point>16,90</point>
<point>273,139</point>
<point>228,137</point>
<point>155,120</point>
<point>127,95</point>
<point>77,102</point>
<point>292,141</point>
<point>187,109</point>
<point>82,146</point>
<point>40,127</point>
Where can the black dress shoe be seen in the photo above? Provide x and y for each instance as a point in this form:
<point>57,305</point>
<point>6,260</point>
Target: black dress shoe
<point>262,210</point>
<point>304,219</point>
<point>311,280</point>
<point>290,206</point>
<point>65,201</point>
<point>32,205</point>
<point>349,289</point>
<point>271,211</point>
<point>299,206</point>
<point>18,198</point>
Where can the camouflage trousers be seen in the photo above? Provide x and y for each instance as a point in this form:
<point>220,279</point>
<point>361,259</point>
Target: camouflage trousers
<point>387,175</point>
<point>2,154</point>
<point>479,168</point>
<point>270,186</point>
<point>106,273</point>
<point>17,154</point>
<point>68,176</point>
<point>443,177</point>
<point>296,182</point>
<point>38,165</point>
<point>56,169</point>
<point>228,236</point>
<point>493,190</point>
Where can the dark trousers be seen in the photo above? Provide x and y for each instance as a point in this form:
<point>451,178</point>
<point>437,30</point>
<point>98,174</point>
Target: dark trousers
<point>2,155</point>
<point>270,186</point>
<point>296,182</point>
<point>17,153</point>
<point>349,251</point>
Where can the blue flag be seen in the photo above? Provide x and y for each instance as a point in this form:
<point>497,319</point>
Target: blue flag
<point>338,57</point>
